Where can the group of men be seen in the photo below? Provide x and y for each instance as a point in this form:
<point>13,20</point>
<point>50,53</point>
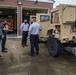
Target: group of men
<point>31,32</point>
<point>28,32</point>
<point>3,34</point>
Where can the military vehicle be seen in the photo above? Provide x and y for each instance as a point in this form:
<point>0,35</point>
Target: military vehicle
<point>58,28</point>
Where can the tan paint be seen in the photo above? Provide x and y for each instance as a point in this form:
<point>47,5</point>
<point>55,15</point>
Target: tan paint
<point>44,25</point>
<point>67,17</point>
<point>63,15</point>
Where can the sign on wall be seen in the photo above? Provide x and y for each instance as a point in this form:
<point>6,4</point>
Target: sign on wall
<point>44,17</point>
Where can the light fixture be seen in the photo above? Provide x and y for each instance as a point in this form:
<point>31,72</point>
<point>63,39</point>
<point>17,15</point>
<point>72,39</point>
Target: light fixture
<point>20,2</point>
<point>36,2</point>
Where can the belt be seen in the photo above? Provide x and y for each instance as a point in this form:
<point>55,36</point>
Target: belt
<point>34,34</point>
<point>25,31</point>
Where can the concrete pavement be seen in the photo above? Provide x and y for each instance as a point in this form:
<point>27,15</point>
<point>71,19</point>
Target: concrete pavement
<point>18,62</point>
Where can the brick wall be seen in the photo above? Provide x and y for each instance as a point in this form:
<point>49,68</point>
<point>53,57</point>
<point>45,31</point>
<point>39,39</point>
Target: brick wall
<point>26,4</point>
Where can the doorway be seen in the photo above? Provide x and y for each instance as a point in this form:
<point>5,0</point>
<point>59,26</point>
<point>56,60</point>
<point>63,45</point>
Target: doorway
<point>10,15</point>
<point>27,12</point>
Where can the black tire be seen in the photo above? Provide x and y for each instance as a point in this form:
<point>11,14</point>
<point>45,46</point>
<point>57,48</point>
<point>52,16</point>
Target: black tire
<point>55,48</point>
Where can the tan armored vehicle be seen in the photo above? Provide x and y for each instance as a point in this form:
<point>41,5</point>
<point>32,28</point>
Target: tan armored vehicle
<point>63,22</point>
<point>58,28</point>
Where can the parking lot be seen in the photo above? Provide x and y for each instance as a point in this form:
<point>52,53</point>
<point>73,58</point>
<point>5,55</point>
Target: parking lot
<point>18,62</point>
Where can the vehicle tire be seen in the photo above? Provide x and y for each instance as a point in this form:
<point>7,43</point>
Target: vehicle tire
<point>55,47</point>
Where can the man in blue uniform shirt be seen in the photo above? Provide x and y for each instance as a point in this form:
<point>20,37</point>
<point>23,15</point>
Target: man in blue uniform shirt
<point>24,29</point>
<point>34,34</point>
<point>0,37</point>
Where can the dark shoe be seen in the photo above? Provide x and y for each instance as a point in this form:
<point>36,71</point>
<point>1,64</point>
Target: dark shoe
<point>37,53</point>
<point>23,46</point>
<point>26,45</point>
<point>5,48</point>
<point>0,56</point>
<point>31,54</point>
<point>4,51</point>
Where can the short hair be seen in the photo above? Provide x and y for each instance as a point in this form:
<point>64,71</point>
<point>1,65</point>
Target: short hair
<point>25,20</point>
<point>34,19</point>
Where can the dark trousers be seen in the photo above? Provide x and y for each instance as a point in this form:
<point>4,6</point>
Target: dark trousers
<point>3,43</point>
<point>34,44</point>
<point>0,38</point>
<point>24,37</point>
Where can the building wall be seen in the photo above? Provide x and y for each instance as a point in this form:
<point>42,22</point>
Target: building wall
<point>25,3</point>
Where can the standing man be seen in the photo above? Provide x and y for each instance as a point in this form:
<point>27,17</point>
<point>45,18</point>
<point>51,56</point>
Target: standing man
<point>4,32</point>
<point>34,34</point>
<point>0,37</point>
<point>24,29</point>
